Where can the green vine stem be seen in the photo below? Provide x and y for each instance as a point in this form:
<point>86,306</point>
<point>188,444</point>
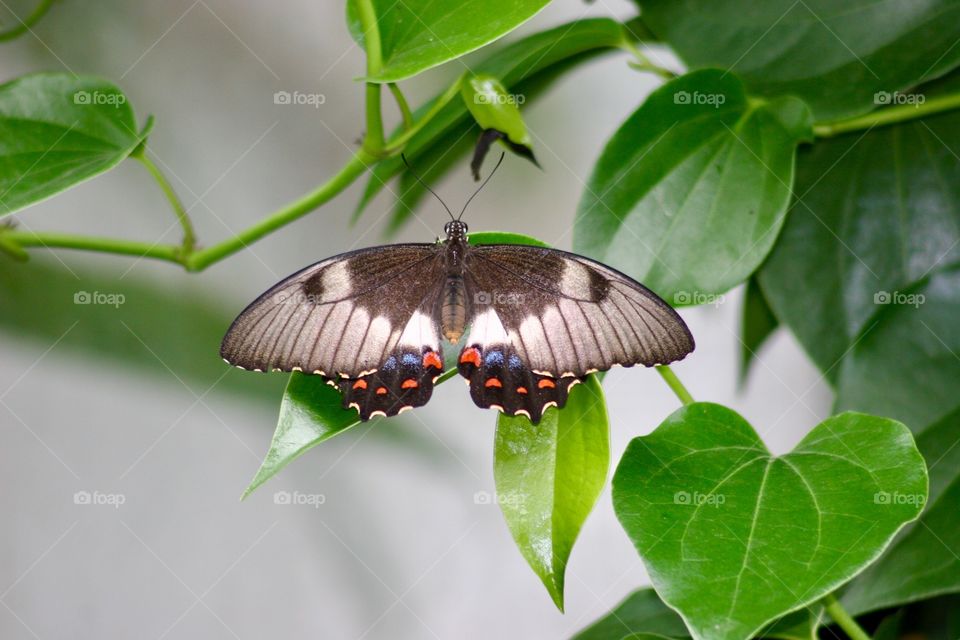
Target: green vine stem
<point>674,383</point>
<point>403,105</point>
<point>891,115</point>
<point>843,619</point>
<point>189,236</point>
<point>48,240</point>
<point>399,142</point>
<point>25,24</point>
<point>373,141</point>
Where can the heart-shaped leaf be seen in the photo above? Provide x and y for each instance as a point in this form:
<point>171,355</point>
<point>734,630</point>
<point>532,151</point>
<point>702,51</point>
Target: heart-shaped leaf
<point>57,130</point>
<point>549,476</point>
<point>925,560</point>
<point>710,510</point>
<point>416,35</point>
<point>840,58</point>
<point>689,194</point>
<point>641,612</point>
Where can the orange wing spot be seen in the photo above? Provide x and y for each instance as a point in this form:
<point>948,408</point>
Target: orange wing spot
<point>471,354</point>
<point>431,359</point>
<point>522,391</point>
<point>493,382</point>
<point>360,384</point>
<point>381,391</point>
<point>546,383</point>
<point>409,383</point>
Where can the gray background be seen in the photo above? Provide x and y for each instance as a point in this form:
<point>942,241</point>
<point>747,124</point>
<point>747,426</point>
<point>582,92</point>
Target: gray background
<point>399,548</point>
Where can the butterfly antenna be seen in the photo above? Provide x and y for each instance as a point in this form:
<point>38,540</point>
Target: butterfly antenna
<point>424,185</point>
<point>480,188</point>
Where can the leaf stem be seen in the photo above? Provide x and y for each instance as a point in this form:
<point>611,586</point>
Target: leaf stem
<point>843,619</point>
<point>13,32</point>
<point>19,239</point>
<point>373,140</point>
<point>189,235</point>
<point>892,115</point>
<point>357,165</point>
<point>674,383</point>
<point>642,63</point>
<point>402,104</point>
<point>397,143</point>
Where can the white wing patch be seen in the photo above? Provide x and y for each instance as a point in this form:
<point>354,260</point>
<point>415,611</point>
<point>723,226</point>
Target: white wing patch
<point>421,331</point>
<point>487,329</point>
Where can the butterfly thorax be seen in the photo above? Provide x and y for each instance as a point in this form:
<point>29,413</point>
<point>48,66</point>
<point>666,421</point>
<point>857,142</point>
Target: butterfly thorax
<point>453,301</point>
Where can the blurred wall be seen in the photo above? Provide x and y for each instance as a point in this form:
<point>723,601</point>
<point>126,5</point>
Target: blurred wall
<point>399,548</point>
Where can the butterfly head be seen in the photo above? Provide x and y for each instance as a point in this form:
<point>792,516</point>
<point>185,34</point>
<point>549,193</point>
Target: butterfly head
<point>455,230</point>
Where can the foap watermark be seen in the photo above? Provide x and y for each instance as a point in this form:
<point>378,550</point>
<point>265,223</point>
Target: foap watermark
<point>99,98</point>
<point>883,98</point>
<point>314,100</point>
<point>897,297</point>
<point>698,298</point>
<point>697,499</point>
<point>897,498</point>
<point>485,497</point>
<point>99,298</point>
<point>99,499</point>
<point>696,97</point>
<point>499,98</point>
<point>498,297</point>
<point>297,498</point>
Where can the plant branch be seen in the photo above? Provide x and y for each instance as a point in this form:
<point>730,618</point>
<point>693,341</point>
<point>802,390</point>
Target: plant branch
<point>843,619</point>
<point>891,115</point>
<point>20,239</point>
<point>41,10</point>
<point>397,143</point>
<point>675,385</point>
<point>189,236</point>
<point>642,63</point>
<point>403,105</point>
<point>373,140</point>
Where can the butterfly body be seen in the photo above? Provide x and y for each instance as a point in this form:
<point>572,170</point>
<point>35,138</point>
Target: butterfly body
<point>537,321</point>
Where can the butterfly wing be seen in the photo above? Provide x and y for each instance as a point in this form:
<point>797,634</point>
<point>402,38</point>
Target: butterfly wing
<point>365,321</point>
<point>543,319</point>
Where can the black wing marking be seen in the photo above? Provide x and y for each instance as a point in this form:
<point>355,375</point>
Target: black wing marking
<point>566,316</point>
<point>343,317</point>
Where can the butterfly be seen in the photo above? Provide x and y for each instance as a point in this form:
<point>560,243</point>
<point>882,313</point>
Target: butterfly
<point>537,322</point>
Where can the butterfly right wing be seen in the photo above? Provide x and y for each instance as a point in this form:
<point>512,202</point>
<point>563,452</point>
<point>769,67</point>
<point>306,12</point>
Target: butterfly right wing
<point>365,321</point>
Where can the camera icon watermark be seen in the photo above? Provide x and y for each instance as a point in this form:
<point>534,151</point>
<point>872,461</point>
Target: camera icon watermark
<point>297,498</point>
<point>501,298</point>
<point>899,298</point>
<point>315,100</point>
<point>897,498</point>
<point>697,499</point>
<point>114,300</point>
<point>510,499</point>
<point>499,98</point>
<point>98,498</point>
<point>888,98</point>
<point>698,298</point>
<point>99,98</point>
<point>697,98</point>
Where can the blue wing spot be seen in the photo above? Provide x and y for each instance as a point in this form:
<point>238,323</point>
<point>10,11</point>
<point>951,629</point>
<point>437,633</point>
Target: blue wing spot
<point>390,363</point>
<point>514,363</point>
<point>493,359</point>
<point>410,360</point>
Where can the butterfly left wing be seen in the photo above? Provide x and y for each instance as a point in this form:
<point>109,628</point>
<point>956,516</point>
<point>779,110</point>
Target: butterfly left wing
<point>543,319</point>
<point>365,321</point>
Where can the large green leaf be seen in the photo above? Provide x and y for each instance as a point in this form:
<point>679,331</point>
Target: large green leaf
<point>690,193</point>
<point>876,214</point>
<point>417,35</point>
<point>925,560</point>
<point>57,130</point>
<point>834,55</point>
<point>515,65</point>
<point>710,510</point>
<point>549,476</point>
<point>641,612</point>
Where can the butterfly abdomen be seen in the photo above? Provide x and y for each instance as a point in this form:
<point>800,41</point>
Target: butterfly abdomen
<point>453,308</point>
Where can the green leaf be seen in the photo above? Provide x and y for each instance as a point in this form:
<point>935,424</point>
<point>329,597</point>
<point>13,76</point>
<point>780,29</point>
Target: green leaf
<point>641,612</point>
<point>710,510</point>
<point>493,107</point>
<point>504,237</point>
<point>690,193</point>
<point>310,413</point>
<point>756,324</point>
<point>925,560</point>
<point>878,214</point>
<point>549,476</point>
<point>515,64</point>
<point>416,35</point>
<point>799,625</point>
<point>58,130</point>
<point>834,56</point>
